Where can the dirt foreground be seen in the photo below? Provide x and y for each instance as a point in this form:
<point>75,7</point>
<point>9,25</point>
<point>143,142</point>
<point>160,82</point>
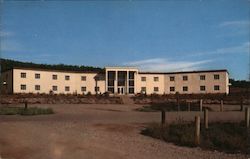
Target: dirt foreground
<point>97,132</point>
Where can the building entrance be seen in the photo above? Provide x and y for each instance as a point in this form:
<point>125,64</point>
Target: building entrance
<point>121,90</point>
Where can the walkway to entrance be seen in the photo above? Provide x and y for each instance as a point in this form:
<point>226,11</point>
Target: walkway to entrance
<point>127,100</point>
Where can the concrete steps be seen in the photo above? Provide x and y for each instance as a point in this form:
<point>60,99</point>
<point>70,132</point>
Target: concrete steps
<point>127,100</point>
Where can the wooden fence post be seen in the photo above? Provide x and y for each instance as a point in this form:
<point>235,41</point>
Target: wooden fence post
<point>197,130</point>
<point>221,106</point>
<point>189,106</point>
<point>163,117</point>
<point>25,105</point>
<point>201,105</point>
<point>241,104</point>
<point>247,117</point>
<point>206,118</point>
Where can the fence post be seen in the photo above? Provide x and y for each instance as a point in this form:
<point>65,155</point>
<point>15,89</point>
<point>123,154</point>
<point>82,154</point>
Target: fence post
<point>221,106</point>
<point>241,104</point>
<point>197,130</point>
<point>189,106</point>
<point>247,117</point>
<point>163,117</point>
<point>25,105</point>
<point>201,105</point>
<point>206,118</point>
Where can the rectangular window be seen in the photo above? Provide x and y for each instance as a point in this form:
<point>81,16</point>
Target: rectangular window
<point>185,78</point>
<point>143,78</point>
<point>37,76</point>
<point>67,78</point>
<point>202,88</point>
<point>202,77</point>
<point>185,89</point>
<point>23,87</point>
<point>37,87</point>
<point>171,78</point>
<point>54,77</point>
<point>97,89</point>
<point>83,78</point>
<point>23,75</point>
<point>172,89</point>
<point>54,88</point>
<point>131,90</point>
<point>143,89</point>
<point>83,89</point>
<point>156,89</point>
<point>216,77</point>
<point>67,88</point>
<point>156,79</point>
<point>216,87</point>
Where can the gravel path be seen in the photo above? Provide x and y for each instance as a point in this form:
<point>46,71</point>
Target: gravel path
<point>96,132</point>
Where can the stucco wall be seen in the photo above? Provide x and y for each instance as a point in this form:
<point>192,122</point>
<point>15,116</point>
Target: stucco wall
<point>46,82</point>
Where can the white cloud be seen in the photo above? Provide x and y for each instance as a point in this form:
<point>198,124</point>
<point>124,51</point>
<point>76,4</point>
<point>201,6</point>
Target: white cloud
<point>161,64</point>
<point>6,33</point>
<point>242,48</point>
<point>239,23</point>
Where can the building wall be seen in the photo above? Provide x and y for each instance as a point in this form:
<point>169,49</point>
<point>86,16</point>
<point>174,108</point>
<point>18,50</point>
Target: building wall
<point>75,83</point>
<point>46,82</point>
<point>6,77</point>
<point>193,83</point>
<point>150,83</point>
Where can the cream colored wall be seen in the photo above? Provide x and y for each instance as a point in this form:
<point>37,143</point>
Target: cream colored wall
<point>194,83</point>
<point>46,82</point>
<point>150,83</point>
<point>6,77</point>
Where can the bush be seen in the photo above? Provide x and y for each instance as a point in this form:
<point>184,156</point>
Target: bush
<point>23,111</point>
<point>227,137</point>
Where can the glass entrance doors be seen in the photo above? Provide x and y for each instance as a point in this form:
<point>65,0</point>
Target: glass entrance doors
<point>121,90</point>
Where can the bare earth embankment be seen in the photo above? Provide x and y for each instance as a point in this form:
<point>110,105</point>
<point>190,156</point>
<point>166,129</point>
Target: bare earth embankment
<point>97,131</point>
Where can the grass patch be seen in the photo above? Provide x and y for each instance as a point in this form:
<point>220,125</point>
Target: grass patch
<point>226,137</point>
<point>23,111</point>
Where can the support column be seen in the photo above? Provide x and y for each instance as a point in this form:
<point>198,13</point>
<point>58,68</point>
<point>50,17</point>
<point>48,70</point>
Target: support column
<point>106,81</point>
<point>127,88</point>
<point>116,79</point>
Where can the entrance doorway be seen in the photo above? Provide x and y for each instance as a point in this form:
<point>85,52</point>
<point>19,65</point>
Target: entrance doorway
<point>121,90</point>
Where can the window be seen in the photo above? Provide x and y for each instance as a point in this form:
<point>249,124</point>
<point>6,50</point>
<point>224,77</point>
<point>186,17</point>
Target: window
<point>97,89</point>
<point>67,78</point>
<point>67,88</point>
<point>23,87</point>
<point>37,76</point>
<point>131,90</point>
<point>216,87</point>
<point>156,89</point>
<point>54,77</point>
<point>54,88</point>
<point>171,78</point>
<point>156,79</point>
<point>185,89</point>
<point>83,89</point>
<point>143,78</point>
<point>37,87</point>
<point>143,89</point>
<point>216,77</point>
<point>202,77</point>
<point>185,78</point>
<point>83,78</point>
<point>202,88</point>
<point>23,75</point>
<point>172,89</point>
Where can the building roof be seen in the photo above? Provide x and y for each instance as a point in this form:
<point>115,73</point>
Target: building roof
<point>55,70</point>
<point>72,71</point>
<point>185,72</point>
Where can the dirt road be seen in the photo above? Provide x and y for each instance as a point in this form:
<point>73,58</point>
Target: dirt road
<point>96,131</point>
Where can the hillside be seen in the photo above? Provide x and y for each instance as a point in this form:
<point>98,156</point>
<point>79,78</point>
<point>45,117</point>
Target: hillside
<point>7,64</point>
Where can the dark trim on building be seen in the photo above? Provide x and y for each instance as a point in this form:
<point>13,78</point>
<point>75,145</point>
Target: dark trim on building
<point>184,72</point>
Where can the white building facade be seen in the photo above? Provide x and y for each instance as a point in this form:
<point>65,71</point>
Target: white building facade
<point>116,80</point>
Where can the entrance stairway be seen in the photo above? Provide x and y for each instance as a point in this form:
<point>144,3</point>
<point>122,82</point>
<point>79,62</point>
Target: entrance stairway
<point>127,100</point>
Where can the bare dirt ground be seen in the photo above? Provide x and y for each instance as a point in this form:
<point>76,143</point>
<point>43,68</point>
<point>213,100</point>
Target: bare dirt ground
<point>97,132</point>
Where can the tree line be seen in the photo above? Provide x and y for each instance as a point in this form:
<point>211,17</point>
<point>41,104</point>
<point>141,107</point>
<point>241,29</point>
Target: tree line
<point>7,64</point>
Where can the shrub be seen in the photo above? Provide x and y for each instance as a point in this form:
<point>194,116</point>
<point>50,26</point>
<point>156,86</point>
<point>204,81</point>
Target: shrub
<point>23,111</point>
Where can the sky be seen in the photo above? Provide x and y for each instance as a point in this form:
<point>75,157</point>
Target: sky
<point>160,36</point>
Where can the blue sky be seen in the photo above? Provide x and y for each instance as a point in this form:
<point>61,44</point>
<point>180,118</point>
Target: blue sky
<point>152,35</point>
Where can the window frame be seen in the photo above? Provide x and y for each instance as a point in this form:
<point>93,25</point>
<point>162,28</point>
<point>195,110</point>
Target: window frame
<point>185,78</point>
<point>185,90</point>
<point>156,89</point>
<point>23,74</point>
<point>171,89</point>
<point>143,79</point>
<point>37,86</point>
<point>172,78</point>
<point>203,87</point>
<point>156,79</point>
<point>37,75</point>
<point>23,87</point>
<point>67,78</point>
<point>54,76</point>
